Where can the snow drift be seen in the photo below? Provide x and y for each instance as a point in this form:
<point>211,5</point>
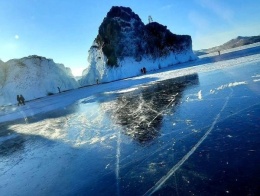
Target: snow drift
<point>33,77</point>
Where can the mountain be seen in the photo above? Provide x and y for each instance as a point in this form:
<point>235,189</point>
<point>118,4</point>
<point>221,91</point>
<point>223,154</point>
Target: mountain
<point>237,42</point>
<point>124,45</point>
<point>2,73</point>
<point>33,77</point>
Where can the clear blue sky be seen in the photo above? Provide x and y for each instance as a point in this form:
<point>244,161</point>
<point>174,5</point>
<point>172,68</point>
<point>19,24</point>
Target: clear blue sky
<point>65,29</point>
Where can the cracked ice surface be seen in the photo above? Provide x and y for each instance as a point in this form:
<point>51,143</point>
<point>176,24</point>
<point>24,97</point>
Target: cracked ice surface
<point>190,131</point>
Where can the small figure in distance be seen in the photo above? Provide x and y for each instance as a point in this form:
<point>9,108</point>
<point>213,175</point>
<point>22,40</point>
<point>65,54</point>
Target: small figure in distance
<point>18,100</point>
<point>97,80</point>
<point>22,100</point>
<point>142,71</point>
<point>218,52</point>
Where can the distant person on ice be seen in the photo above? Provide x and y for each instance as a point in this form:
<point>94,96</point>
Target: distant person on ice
<point>18,100</point>
<point>218,52</point>
<point>144,70</point>
<point>22,100</point>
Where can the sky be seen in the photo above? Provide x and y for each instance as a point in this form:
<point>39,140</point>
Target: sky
<point>65,30</point>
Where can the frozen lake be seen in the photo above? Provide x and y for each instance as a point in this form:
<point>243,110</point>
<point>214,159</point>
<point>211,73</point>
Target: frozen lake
<point>196,134</point>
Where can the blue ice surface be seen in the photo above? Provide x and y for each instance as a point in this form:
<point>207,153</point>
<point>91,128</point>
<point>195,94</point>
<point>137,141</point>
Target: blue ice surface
<point>161,139</point>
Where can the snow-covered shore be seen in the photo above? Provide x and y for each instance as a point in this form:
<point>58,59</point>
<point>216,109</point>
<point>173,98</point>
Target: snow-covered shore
<point>247,57</point>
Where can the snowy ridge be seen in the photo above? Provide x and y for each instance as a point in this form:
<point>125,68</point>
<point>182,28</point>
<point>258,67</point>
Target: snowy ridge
<point>249,48</point>
<point>33,77</point>
<point>2,74</point>
<point>234,44</point>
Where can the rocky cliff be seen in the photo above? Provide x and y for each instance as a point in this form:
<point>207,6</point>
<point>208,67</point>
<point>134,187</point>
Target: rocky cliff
<point>124,44</point>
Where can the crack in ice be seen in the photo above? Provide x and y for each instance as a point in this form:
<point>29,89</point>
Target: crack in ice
<point>159,183</point>
<point>117,162</point>
<point>163,109</point>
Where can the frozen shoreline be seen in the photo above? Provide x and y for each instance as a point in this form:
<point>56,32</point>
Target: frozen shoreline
<point>206,64</point>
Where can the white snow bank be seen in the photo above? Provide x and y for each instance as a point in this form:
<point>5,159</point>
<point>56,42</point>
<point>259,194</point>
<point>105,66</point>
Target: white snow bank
<point>33,77</point>
<point>128,67</point>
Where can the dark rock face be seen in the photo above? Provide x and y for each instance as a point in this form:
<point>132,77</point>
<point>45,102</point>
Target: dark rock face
<point>125,13</point>
<point>119,25</point>
<point>123,34</point>
<point>160,41</point>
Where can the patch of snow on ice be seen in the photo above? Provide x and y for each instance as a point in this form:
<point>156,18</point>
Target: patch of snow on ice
<point>199,95</point>
<point>256,76</point>
<point>231,85</point>
<point>96,139</point>
<point>123,91</point>
<point>194,97</point>
<point>212,91</point>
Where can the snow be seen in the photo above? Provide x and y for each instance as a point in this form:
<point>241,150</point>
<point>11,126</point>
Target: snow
<point>232,84</point>
<point>256,78</point>
<point>128,67</point>
<point>33,77</point>
<point>248,48</point>
<point>64,99</point>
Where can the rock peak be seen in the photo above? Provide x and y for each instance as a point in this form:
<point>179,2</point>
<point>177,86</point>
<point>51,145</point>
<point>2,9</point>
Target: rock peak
<point>124,13</point>
<point>124,45</point>
<point>123,34</point>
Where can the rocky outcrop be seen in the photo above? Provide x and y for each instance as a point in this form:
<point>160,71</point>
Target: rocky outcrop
<point>121,34</point>
<point>33,77</point>
<point>160,42</point>
<point>123,38</point>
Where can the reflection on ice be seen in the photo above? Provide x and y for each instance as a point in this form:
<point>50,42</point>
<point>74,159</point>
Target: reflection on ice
<point>10,142</point>
<point>141,112</point>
